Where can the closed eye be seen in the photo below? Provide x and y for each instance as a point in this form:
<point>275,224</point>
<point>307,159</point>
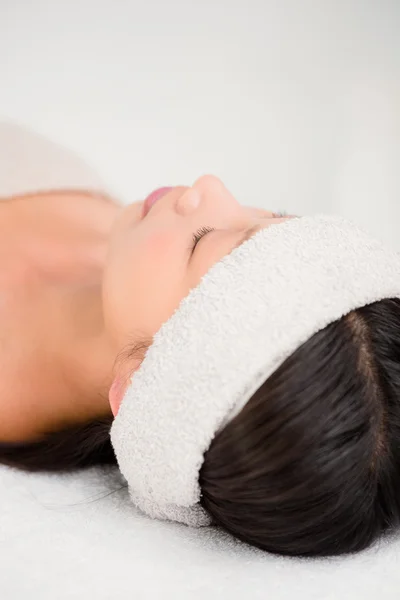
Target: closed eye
<point>198,235</point>
<point>247,234</point>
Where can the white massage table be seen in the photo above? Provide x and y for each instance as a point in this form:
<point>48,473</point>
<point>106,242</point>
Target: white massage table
<point>74,537</point>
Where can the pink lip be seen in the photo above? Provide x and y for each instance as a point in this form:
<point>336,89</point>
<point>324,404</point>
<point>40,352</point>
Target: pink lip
<point>153,197</point>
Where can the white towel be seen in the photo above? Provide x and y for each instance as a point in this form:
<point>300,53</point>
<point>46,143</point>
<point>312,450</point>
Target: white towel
<point>251,311</point>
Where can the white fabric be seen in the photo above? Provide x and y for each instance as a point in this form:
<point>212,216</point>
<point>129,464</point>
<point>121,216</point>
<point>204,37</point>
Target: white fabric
<point>78,536</point>
<point>249,313</point>
<point>73,537</point>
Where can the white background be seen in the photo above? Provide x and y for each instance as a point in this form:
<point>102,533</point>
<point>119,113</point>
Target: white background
<point>293,104</point>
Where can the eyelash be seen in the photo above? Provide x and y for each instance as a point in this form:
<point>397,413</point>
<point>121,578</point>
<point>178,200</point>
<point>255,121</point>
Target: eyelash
<point>198,235</point>
<point>204,230</point>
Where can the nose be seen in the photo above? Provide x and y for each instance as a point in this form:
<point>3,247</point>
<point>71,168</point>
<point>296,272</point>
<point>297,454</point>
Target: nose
<point>209,183</point>
<point>188,202</point>
<point>208,191</point>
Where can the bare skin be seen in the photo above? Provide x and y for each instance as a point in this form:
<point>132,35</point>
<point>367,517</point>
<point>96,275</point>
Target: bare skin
<point>80,276</point>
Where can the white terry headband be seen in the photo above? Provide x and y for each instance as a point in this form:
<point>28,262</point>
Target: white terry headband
<point>249,313</point>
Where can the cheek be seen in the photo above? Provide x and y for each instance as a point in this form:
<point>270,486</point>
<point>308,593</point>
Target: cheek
<point>142,283</point>
<point>159,246</point>
<point>159,273</point>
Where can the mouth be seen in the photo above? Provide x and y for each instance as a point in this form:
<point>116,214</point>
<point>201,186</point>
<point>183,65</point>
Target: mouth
<point>153,198</point>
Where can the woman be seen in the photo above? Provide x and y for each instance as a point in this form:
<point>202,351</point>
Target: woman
<point>87,283</point>
<point>62,278</point>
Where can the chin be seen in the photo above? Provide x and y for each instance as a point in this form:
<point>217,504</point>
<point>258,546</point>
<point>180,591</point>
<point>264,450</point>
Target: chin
<point>128,216</point>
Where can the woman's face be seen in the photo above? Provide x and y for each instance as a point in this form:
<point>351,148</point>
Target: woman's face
<point>151,265</point>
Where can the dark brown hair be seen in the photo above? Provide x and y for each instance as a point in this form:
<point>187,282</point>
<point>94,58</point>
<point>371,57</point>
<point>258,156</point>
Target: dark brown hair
<point>311,465</point>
